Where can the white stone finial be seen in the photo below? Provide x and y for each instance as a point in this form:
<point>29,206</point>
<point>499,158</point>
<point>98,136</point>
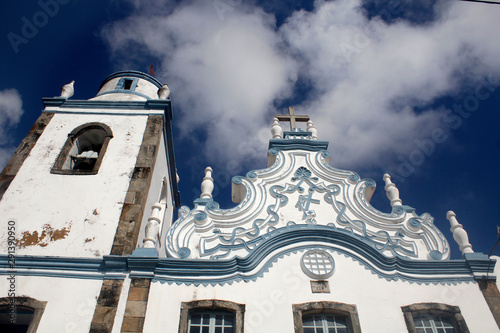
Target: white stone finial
<point>276,130</point>
<point>459,233</point>
<point>68,90</point>
<point>392,191</point>
<point>312,129</point>
<point>207,185</point>
<point>152,227</point>
<point>164,92</point>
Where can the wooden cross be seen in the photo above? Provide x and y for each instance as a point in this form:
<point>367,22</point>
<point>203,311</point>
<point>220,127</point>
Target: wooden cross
<point>292,118</point>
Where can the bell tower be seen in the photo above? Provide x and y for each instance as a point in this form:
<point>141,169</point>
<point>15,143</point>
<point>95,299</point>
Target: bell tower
<point>83,181</point>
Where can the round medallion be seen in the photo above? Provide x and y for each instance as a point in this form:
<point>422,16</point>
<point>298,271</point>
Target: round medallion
<point>317,264</point>
<point>184,252</point>
<point>435,255</point>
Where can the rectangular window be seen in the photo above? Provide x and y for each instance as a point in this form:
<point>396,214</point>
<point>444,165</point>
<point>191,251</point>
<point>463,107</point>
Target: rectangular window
<point>211,322</point>
<point>211,316</point>
<point>325,323</point>
<point>325,317</point>
<point>426,323</point>
<point>128,84</point>
<point>434,318</point>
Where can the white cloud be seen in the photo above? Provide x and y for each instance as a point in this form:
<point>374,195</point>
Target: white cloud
<point>372,75</point>
<point>228,68</point>
<point>10,113</point>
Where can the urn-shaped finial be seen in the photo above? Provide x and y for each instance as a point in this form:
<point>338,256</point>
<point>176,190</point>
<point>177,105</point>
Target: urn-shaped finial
<point>207,185</point>
<point>459,233</point>
<point>312,129</point>
<point>392,191</point>
<point>276,130</point>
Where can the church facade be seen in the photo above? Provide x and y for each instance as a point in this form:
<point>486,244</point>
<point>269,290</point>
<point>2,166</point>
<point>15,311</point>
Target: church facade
<point>89,241</point>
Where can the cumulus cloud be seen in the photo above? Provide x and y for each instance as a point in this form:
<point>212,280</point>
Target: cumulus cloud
<point>372,76</point>
<point>10,113</point>
<point>224,66</point>
<point>372,84</point>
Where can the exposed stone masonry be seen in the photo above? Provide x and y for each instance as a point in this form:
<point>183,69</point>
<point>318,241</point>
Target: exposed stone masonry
<point>137,302</point>
<point>107,304</point>
<point>22,151</point>
<point>128,229</point>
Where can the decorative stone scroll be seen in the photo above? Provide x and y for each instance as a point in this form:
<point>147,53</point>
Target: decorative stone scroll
<point>296,194</point>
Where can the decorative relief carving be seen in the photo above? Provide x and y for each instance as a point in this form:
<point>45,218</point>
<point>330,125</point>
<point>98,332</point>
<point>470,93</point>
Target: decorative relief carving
<point>320,287</point>
<point>306,192</point>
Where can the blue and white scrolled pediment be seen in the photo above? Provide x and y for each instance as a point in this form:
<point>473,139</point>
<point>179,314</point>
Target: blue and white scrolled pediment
<point>301,189</point>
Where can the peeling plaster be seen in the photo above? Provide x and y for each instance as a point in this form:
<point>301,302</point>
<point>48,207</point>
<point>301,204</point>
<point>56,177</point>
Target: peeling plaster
<point>48,235</point>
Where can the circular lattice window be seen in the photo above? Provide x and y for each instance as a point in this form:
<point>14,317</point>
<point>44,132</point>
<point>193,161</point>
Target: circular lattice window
<point>317,264</point>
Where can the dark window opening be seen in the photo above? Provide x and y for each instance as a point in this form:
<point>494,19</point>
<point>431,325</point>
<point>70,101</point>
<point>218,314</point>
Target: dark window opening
<point>86,149</point>
<point>20,314</point>
<point>16,322</point>
<point>128,84</point>
<point>83,151</point>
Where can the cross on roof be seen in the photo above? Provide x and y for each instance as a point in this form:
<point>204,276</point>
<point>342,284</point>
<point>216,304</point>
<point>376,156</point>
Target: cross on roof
<point>292,118</point>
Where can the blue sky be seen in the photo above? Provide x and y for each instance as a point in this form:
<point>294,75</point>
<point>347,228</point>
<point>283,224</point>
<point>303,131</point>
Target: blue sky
<point>404,87</point>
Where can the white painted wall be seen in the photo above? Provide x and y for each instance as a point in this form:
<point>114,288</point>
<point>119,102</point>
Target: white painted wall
<point>87,207</point>
<point>269,300</point>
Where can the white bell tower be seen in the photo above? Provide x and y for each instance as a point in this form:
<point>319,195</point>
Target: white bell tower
<point>83,181</point>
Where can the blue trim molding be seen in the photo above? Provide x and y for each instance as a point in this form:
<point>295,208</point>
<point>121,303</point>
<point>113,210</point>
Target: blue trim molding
<point>80,268</point>
<point>256,263</point>
<point>151,104</point>
<point>298,144</point>
<point>131,73</point>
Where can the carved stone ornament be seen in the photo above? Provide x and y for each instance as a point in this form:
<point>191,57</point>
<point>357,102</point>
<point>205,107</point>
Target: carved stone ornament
<point>300,199</point>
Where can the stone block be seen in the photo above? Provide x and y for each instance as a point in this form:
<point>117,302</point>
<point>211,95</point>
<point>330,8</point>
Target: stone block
<point>130,197</point>
<point>100,327</point>
<point>136,309</point>
<point>140,283</point>
<point>146,155</point>
<point>104,314</point>
<point>138,294</point>
<point>137,186</point>
<point>141,172</point>
<point>110,293</point>
<point>130,212</point>
<point>121,231</point>
<point>132,324</point>
<point>117,250</point>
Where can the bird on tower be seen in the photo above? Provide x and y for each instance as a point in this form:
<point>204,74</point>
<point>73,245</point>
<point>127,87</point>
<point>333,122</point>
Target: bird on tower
<point>68,90</point>
<point>164,92</point>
